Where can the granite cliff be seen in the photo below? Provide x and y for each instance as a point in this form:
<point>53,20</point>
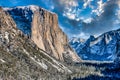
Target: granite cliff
<point>42,26</point>
<point>21,59</point>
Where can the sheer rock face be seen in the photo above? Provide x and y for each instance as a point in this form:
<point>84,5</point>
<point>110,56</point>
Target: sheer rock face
<point>43,27</point>
<point>21,59</point>
<point>49,37</point>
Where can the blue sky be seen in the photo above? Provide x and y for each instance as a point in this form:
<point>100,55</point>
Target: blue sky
<point>79,18</point>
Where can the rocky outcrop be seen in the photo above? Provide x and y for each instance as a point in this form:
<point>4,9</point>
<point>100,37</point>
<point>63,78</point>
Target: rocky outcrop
<point>45,31</point>
<point>49,37</point>
<point>21,59</point>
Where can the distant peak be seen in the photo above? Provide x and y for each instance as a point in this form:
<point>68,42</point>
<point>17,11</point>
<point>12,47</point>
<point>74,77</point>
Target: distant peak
<point>33,8</point>
<point>75,39</point>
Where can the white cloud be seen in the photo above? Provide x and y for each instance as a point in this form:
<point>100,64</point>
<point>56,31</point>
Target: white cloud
<point>88,20</point>
<point>99,9</point>
<point>117,22</point>
<point>118,13</point>
<point>72,3</point>
<point>70,10</point>
<point>70,15</point>
<point>87,3</point>
<point>119,9</point>
<point>52,7</point>
<point>82,35</point>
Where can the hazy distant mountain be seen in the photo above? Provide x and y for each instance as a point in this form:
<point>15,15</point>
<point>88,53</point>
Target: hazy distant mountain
<point>102,48</point>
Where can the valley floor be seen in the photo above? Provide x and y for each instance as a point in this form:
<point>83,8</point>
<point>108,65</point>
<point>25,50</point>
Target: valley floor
<point>95,70</point>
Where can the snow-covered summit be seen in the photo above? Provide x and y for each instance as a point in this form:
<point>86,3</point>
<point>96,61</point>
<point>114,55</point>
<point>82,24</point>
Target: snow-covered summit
<point>23,15</point>
<point>104,47</point>
<point>33,8</point>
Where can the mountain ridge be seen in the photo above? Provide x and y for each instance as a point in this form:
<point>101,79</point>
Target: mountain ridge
<point>104,45</point>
